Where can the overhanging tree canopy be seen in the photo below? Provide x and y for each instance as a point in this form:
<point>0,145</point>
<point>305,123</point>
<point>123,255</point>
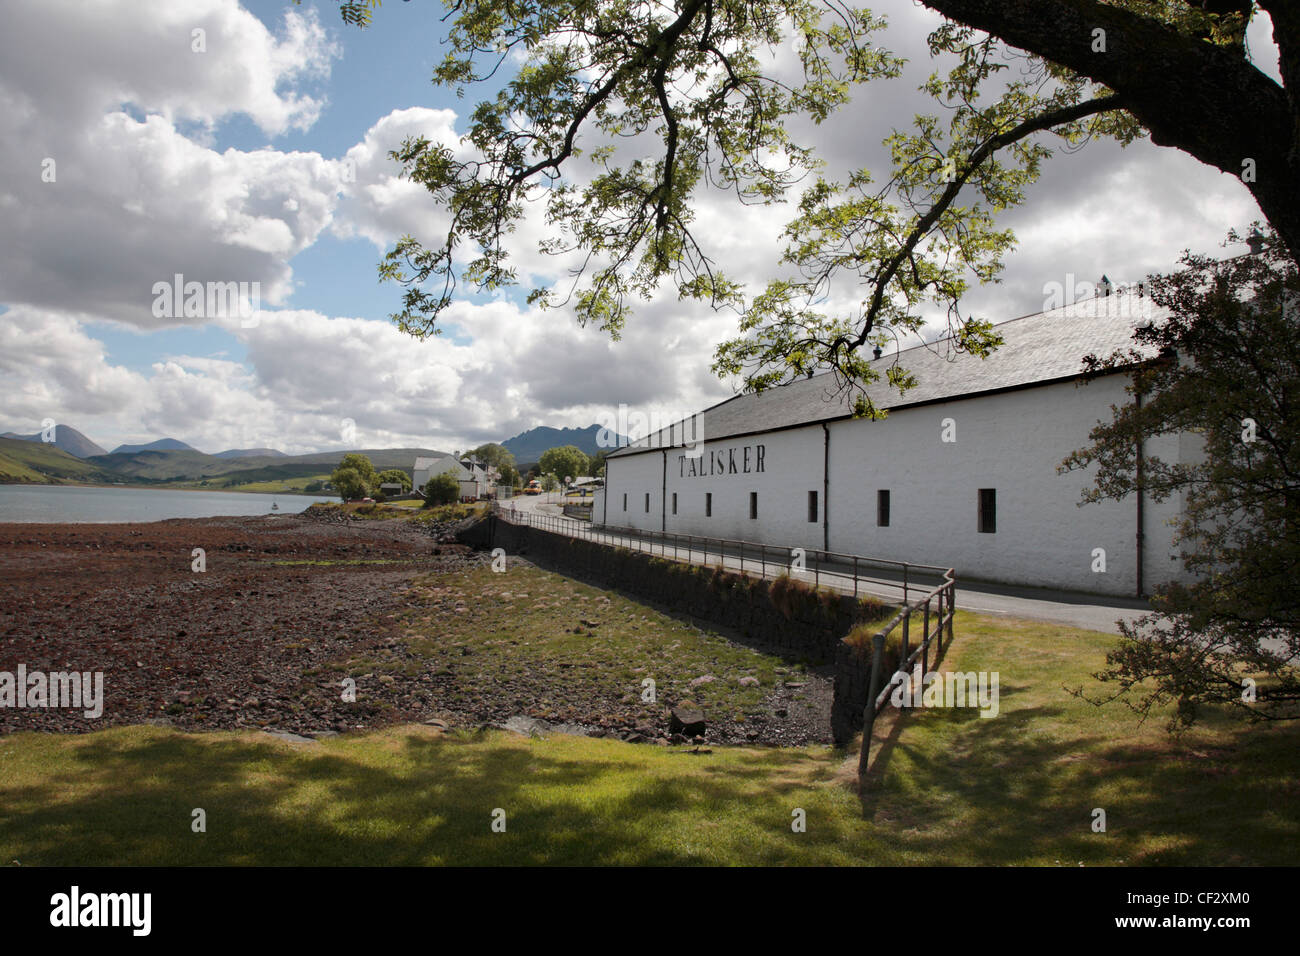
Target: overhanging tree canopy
<point>693,79</point>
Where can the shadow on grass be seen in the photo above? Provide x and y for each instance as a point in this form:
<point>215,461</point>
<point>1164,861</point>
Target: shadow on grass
<point>422,799</point>
<point>969,790</point>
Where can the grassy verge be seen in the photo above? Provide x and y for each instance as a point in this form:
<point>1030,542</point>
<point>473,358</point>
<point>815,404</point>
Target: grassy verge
<point>949,788</point>
<point>1022,787</point>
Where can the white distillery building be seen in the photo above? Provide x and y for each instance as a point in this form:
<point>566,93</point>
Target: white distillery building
<point>962,472</point>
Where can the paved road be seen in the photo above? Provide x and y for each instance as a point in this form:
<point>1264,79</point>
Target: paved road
<point>1090,611</point>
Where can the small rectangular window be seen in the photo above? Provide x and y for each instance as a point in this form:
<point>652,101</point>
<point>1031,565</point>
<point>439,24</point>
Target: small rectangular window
<point>674,502</point>
<point>753,504</point>
<point>812,506</point>
<point>882,508</point>
<point>708,504</point>
<point>647,502</point>
<point>625,501</point>
<point>988,510</point>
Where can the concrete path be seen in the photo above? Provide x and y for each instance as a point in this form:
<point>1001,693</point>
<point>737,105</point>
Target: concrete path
<point>1090,611</point>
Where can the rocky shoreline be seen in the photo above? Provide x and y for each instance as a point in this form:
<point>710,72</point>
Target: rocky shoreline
<point>261,638</point>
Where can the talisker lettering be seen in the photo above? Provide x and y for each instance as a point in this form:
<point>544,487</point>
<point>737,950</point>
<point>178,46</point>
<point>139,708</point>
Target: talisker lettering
<point>746,460</point>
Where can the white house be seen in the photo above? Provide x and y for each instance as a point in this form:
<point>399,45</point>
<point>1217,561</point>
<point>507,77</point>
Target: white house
<point>962,472</point>
<point>475,478</point>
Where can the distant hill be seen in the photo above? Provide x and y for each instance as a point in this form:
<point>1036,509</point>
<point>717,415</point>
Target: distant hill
<point>162,444</point>
<point>186,465</point>
<point>167,465</point>
<point>66,438</point>
<point>381,458</point>
<point>529,446</point>
<point>250,453</point>
<point>25,458</point>
<point>25,461</point>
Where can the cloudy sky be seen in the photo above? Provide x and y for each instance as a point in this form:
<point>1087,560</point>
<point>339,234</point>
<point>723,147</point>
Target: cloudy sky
<point>128,156</point>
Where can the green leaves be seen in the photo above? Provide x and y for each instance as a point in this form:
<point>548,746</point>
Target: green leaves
<point>667,102</point>
<point>689,77</point>
<point>1224,380</point>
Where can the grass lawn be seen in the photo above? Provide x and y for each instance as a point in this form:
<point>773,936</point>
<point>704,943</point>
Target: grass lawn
<point>949,787</point>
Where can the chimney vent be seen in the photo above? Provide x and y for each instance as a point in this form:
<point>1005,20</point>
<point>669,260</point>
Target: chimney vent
<point>876,352</point>
<point>1255,241</point>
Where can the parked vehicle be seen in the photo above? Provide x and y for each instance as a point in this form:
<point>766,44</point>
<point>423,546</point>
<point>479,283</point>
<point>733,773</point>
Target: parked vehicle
<point>534,487</point>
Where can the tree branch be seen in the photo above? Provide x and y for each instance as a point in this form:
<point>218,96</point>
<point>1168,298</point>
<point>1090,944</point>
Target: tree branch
<point>1204,99</point>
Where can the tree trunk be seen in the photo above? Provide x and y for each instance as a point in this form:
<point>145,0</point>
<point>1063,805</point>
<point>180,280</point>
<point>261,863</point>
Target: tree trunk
<point>1205,100</point>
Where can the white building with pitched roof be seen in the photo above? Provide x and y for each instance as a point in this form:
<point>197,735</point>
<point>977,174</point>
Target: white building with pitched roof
<point>476,479</point>
<point>962,472</point>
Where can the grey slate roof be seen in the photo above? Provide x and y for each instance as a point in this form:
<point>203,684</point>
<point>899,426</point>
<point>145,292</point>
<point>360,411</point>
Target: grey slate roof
<point>1037,349</point>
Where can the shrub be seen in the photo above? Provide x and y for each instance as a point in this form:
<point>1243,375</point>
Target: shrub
<point>354,477</point>
<point>870,608</point>
<point>451,512</point>
<point>349,483</point>
<point>394,476</point>
<point>441,489</point>
<point>790,596</point>
<point>860,638</point>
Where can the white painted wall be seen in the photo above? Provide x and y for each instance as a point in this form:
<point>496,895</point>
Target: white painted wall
<point>420,475</point>
<point>1011,442</point>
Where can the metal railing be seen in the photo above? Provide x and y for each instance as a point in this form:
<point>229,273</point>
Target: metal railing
<point>946,597</point>
<point>577,509</point>
<point>851,573</point>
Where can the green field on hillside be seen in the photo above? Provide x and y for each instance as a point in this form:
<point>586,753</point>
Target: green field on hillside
<point>34,461</point>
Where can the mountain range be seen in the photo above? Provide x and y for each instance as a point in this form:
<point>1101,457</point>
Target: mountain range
<point>74,457</point>
<point>162,444</point>
<point>67,439</point>
<point>528,446</point>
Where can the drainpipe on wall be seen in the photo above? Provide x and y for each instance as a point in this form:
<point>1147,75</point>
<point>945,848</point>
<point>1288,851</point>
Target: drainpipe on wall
<point>604,499</point>
<point>1140,502</point>
<point>663,497</point>
<point>826,487</point>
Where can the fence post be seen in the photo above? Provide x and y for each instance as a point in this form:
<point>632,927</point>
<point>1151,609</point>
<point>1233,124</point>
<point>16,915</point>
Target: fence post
<point>925,642</point>
<point>855,576</point>
<point>904,582</point>
<point>938,631</point>
<point>869,714</point>
<point>907,637</point>
<point>762,558</point>
<point>952,608</point>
